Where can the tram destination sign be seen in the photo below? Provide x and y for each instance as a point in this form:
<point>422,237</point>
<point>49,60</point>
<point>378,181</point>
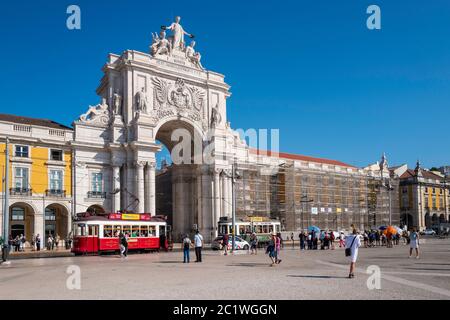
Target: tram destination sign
<point>129,216</point>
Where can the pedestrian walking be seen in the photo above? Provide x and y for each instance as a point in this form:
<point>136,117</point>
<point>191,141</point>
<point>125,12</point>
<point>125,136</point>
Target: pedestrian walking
<point>57,239</point>
<point>33,242</point>
<point>302,238</point>
<point>351,250</point>
<point>271,249</point>
<point>186,247</point>
<point>225,241</point>
<point>414,243</point>
<point>198,242</point>
<point>310,241</point>
<point>49,242</point>
<point>38,242</point>
<point>254,243</point>
<point>332,239</point>
<point>123,245</point>
<point>278,242</point>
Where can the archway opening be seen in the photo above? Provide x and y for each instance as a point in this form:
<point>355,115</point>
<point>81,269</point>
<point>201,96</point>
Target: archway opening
<point>177,195</point>
<point>56,222</point>
<point>21,217</point>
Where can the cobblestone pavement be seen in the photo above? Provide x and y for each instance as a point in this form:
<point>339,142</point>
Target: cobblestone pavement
<point>317,274</point>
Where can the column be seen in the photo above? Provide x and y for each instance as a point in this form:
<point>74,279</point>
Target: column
<point>140,186</point>
<point>116,188</point>
<point>216,202</point>
<point>230,196</point>
<point>224,198</point>
<point>151,196</point>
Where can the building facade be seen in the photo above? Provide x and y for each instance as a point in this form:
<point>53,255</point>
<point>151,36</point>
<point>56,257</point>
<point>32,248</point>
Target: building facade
<point>166,97</point>
<point>40,176</point>
<point>424,198</point>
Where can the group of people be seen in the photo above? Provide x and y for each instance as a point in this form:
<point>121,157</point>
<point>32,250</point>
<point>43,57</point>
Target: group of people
<point>18,243</point>
<point>187,244</point>
<point>274,248</point>
<point>310,240</point>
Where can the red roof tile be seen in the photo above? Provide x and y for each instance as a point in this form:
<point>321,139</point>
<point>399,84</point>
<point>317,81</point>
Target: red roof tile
<point>299,157</point>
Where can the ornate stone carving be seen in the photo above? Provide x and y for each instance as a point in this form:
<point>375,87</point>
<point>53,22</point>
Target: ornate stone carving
<point>141,101</point>
<point>98,114</point>
<point>193,56</point>
<point>160,45</point>
<point>117,103</point>
<point>215,117</point>
<point>177,38</point>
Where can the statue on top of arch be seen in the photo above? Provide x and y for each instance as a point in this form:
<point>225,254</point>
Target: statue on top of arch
<point>167,46</point>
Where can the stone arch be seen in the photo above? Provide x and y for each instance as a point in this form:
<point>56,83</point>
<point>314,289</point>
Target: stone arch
<point>176,187</point>
<point>57,221</point>
<point>95,208</point>
<point>22,219</point>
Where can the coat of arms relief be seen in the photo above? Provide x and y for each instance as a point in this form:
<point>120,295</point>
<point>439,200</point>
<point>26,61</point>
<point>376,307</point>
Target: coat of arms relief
<point>177,98</point>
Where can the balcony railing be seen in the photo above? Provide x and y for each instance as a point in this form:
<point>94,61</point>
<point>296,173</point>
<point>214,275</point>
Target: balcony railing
<point>55,193</point>
<point>96,194</point>
<point>20,191</point>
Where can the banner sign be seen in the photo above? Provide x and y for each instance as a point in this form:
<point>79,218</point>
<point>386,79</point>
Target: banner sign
<point>129,216</point>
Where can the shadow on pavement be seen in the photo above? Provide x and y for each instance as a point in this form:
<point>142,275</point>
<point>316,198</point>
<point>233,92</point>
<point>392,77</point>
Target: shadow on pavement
<point>249,264</point>
<point>315,277</point>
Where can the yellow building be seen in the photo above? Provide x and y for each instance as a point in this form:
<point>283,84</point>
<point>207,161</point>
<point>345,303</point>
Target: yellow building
<point>424,198</point>
<point>40,177</point>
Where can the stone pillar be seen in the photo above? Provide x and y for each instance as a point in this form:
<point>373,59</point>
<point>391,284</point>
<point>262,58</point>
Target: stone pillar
<point>150,198</point>
<point>140,185</point>
<point>224,198</point>
<point>116,188</point>
<point>216,201</point>
<point>199,192</point>
<point>129,195</point>
<point>230,196</point>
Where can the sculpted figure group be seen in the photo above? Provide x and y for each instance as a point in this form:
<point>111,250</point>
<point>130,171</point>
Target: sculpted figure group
<point>163,46</point>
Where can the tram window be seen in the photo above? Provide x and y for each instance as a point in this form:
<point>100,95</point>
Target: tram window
<point>223,229</point>
<point>277,228</point>
<point>93,231</point>
<point>248,229</point>
<point>270,229</point>
<point>258,229</point>
<point>152,231</point>
<point>144,231</point>
<point>107,231</point>
<point>135,231</point>
<point>127,230</point>
<point>80,230</point>
<point>241,229</point>
<point>117,230</point>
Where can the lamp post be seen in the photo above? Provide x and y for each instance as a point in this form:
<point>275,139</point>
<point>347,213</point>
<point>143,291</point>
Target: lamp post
<point>387,183</point>
<point>5,250</point>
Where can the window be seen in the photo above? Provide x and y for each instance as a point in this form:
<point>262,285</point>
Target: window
<point>22,151</point>
<point>152,231</point>
<point>17,214</point>
<point>21,178</point>
<point>50,214</point>
<point>107,231</point>
<point>135,231</point>
<point>97,182</point>
<point>56,155</point>
<point>56,180</point>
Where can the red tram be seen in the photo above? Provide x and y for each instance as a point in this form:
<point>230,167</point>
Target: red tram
<point>94,234</point>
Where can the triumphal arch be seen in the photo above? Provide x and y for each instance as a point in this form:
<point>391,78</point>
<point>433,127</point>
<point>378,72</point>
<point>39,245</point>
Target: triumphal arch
<point>158,96</point>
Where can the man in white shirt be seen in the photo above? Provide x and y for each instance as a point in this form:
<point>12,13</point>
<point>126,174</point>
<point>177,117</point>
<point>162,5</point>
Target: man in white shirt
<point>353,242</point>
<point>198,242</point>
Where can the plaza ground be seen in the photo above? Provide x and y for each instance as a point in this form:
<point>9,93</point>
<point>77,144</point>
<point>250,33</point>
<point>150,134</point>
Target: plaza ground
<point>317,274</point>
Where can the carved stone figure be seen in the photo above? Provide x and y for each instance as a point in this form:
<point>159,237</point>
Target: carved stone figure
<point>193,56</point>
<point>96,114</point>
<point>178,34</point>
<point>215,117</point>
<point>160,44</point>
<point>141,101</point>
<point>117,103</point>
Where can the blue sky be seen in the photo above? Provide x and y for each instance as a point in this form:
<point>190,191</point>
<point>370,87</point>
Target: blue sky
<point>310,68</point>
